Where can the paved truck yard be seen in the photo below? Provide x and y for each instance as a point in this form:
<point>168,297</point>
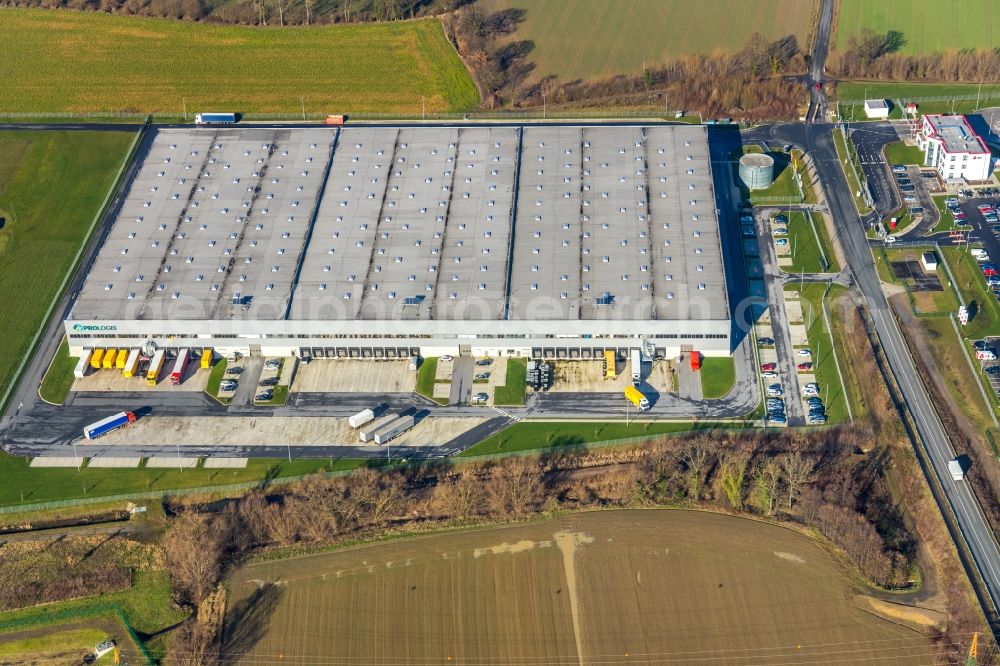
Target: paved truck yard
<point>276,430</point>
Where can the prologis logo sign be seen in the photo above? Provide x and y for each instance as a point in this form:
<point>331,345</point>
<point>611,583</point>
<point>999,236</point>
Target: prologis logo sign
<point>90,328</point>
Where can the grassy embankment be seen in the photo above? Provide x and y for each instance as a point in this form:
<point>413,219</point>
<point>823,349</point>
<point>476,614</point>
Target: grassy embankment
<point>23,484</point>
<point>149,65</point>
<point>810,244</point>
<point>530,435</point>
<point>58,378</point>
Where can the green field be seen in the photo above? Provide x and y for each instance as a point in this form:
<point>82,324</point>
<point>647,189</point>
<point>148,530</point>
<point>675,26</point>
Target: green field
<point>52,185</point>
<point>26,485</point>
<point>62,61</point>
<point>590,39</point>
<point>927,27</point>
<point>607,587</point>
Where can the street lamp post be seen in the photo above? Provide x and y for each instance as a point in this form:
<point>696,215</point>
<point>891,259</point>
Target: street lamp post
<point>544,109</point>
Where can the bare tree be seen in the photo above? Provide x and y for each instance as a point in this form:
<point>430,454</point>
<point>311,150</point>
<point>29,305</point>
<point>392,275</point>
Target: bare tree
<point>694,456</point>
<point>797,471</point>
<point>732,473</point>
<point>193,644</point>
<point>194,547</point>
<point>766,479</point>
<point>460,496</point>
<point>514,487</point>
<point>378,494</point>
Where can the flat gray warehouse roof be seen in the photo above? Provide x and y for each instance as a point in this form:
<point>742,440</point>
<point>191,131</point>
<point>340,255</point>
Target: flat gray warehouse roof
<point>415,223</point>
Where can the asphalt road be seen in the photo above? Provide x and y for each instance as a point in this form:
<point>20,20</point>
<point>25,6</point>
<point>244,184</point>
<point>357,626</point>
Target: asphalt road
<point>818,141</point>
<point>869,139</point>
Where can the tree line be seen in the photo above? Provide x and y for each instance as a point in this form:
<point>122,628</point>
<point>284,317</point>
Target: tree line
<point>258,12</point>
<point>876,56</point>
<point>817,480</point>
<point>751,84</point>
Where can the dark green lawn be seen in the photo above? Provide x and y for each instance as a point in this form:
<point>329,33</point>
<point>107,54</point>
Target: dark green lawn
<point>512,393</point>
<point>900,153</point>
<point>52,185</point>
<point>425,377</point>
<point>806,236</point>
<point>718,374</point>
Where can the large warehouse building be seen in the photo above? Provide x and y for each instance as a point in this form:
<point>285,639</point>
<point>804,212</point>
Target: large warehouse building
<point>553,241</point>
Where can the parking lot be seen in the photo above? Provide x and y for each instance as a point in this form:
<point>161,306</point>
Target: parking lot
<point>355,376</point>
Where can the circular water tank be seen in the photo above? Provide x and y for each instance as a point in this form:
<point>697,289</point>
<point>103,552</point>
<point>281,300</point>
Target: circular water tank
<point>757,170</point>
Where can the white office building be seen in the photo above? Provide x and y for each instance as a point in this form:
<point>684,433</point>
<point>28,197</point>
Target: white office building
<point>952,147</point>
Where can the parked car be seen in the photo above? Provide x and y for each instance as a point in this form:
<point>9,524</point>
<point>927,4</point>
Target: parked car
<point>235,370</point>
<point>907,188</point>
<point>898,168</point>
<point>482,375</point>
<point>484,361</point>
<point>909,198</point>
<point>777,419</point>
<point>769,375</point>
<point>992,369</point>
<point>272,364</point>
<point>805,353</point>
<point>479,398</point>
<point>780,219</point>
<point>816,420</point>
<point>767,367</point>
<point>228,386</point>
<point>446,357</point>
<point>780,231</point>
<point>989,270</point>
<point>774,391</point>
<point>815,400</point>
<point>270,381</point>
<point>781,242</point>
<point>802,367</point>
<point>264,396</point>
<point>765,342</point>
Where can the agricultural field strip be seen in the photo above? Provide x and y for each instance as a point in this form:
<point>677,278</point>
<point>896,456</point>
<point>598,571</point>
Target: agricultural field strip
<point>64,61</point>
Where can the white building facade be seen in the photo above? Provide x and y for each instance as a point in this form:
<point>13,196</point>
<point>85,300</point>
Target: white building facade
<point>952,147</point>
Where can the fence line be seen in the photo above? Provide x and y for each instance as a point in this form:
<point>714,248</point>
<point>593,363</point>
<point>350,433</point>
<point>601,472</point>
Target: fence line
<point>936,98</point>
<point>161,494</point>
